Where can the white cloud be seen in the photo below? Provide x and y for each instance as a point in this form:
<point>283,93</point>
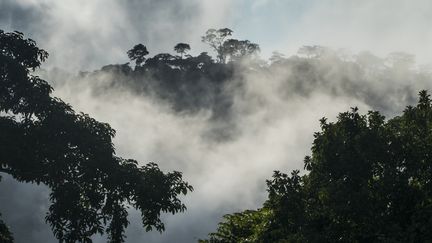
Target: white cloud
<point>378,26</point>
<point>275,132</point>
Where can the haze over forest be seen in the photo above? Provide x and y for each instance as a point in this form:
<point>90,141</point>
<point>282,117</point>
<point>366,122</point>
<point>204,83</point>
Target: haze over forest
<point>225,120</point>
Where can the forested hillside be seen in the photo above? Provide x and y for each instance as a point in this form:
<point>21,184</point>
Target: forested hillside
<point>192,83</point>
<point>367,180</point>
<point>224,116</point>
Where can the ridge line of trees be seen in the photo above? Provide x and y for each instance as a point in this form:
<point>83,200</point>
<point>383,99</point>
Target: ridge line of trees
<point>368,179</point>
<point>226,49</point>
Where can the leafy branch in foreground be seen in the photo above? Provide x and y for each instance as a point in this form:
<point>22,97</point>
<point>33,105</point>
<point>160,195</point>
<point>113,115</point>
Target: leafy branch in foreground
<point>368,180</point>
<point>44,141</point>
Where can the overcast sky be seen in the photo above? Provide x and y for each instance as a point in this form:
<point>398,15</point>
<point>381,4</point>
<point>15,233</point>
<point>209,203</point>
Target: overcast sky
<point>87,34</point>
<point>83,34</point>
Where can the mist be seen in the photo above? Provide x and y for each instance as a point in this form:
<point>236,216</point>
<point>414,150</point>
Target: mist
<point>274,108</point>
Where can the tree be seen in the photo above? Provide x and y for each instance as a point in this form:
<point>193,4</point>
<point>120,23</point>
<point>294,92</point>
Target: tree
<point>43,140</point>
<point>277,57</point>
<point>216,38</point>
<point>368,180</point>
<point>238,49</point>
<point>203,57</point>
<point>138,53</point>
<point>181,48</point>
<point>233,48</point>
<point>160,59</point>
<point>5,234</point>
<point>241,227</point>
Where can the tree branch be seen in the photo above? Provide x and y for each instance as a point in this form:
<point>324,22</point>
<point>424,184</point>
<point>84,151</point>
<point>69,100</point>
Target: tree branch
<point>7,171</point>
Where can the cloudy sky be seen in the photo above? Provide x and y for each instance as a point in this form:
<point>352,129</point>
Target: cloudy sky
<point>87,34</point>
<point>102,30</point>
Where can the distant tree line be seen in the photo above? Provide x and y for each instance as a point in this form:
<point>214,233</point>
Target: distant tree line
<point>368,179</point>
<point>226,49</point>
<point>193,83</point>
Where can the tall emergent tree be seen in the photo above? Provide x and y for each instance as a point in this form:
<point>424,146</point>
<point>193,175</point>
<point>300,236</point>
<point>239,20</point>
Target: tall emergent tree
<point>229,49</point>
<point>237,49</point>
<point>43,140</point>
<point>5,234</point>
<point>369,180</point>
<point>182,48</point>
<point>138,53</point>
<point>216,38</point>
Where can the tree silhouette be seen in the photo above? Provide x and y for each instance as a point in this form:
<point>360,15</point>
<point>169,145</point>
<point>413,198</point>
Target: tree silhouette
<point>181,48</point>
<point>369,180</point>
<point>238,49</point>
<point>241,227</point>
<point>44,141</point>
<point>138,53</point>
<point>199,82</point>
<point>5,234</point>
<point>216,38</point>
<point>277,57</point>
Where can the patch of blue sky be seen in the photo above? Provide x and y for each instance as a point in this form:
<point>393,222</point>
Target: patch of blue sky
<point>268,22</point>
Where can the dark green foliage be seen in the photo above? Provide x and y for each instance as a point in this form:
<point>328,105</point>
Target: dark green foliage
<point>238,49</point>
<point>5,234</point>
<point>44,141</point>
<point>181,48</point>
<point>369,181</point>
<point>247,226</point>
<point>188,83</point>
<point>194,83</point>
<point>232,48</point>
<point>138,53</point>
